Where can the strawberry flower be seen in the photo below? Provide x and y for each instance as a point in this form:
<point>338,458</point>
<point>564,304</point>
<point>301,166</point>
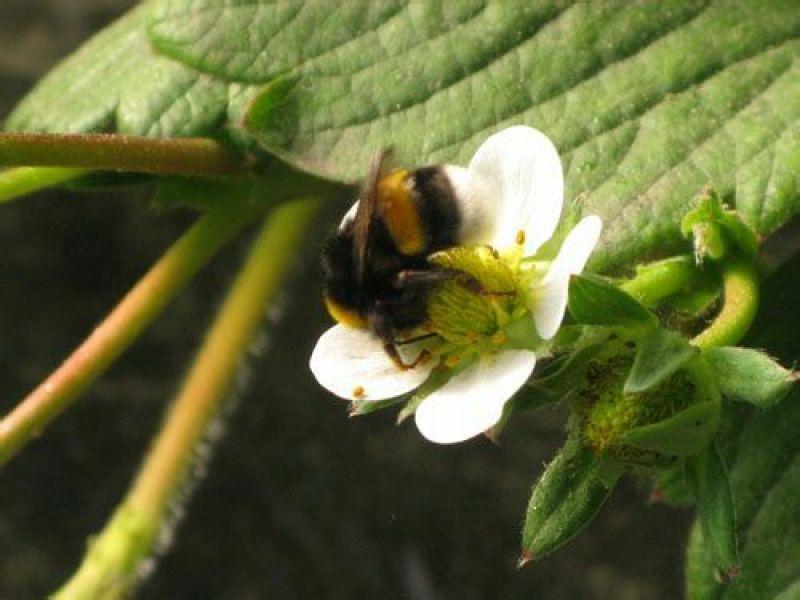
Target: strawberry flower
<point>512,191</point>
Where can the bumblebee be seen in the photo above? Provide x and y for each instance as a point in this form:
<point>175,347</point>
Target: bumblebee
<point>376,267</point>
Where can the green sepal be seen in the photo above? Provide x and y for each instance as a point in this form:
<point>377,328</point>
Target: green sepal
<point>594,300</point>
<point>716,229</point>
<point>683,434</point>
<point>528,397</point>
<point>697,303</point>
<point>435,380</point>
<point>555,380</point>
<point>749,375</point>
<point>563,376</point>
<point>743,236</point>
<point>564,499</point>
<point>359,408</point>
<point>707,478</point>
<point>660,354</point>
<point>701,224</point>
<point>609,470</point>
<point>713,240</point>
<point>558,378</point>
<point>669,487</point>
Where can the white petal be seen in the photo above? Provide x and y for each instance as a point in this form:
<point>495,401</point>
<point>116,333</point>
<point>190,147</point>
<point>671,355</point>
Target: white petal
<point>521,168</point>
<point>550,304</point>
<point>550,297</point>
<point>473,400</point>
<point>577,247</point>
<point>352,364</point>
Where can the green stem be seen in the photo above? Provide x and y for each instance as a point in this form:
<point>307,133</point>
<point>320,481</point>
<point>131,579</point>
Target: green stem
<point>25,180</point>
<point>662,279</point>
<point>110,567</point>
<point>122,326</point>
<point>112,152</point>
<point>740,303</point>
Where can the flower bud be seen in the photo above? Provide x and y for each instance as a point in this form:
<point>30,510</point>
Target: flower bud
<point>651,428</point>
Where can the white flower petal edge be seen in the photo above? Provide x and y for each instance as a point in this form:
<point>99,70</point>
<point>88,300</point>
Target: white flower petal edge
<point>550,296</point>
<point>472,401</point>
<point>352,364</point>
<point>521,170</point>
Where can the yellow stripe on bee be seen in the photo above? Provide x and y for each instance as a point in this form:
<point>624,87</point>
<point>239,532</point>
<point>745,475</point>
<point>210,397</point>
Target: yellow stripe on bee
<point>345,316</point>
<point>400,213</point>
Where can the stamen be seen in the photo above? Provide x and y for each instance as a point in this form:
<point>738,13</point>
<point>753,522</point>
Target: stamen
<point>499,338</point>
<point>359,392</point>
<point>520,237</point>
<point>452,361</point>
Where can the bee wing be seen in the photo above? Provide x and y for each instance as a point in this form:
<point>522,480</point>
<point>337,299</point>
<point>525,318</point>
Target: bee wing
<point>367,214</point>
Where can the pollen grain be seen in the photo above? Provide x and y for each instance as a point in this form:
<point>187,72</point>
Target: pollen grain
<point>452,361</point>
<point>499,338</point>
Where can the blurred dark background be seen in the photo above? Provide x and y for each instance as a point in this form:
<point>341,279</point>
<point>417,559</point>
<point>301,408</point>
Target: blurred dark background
<point>298,500</point>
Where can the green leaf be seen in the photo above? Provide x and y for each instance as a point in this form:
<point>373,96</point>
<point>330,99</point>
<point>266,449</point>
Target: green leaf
<point>660,354</point>
<point>749,375</point>
<point>644,112</point>
<point>708,480</point>
<point>569,493</point>
<point>116,83</point>
<point>294,34</point>
<point>683,434</point>
<point>595,301</point>
<point>765,479</point>
<point>646,105</point>
<point>762,450</point>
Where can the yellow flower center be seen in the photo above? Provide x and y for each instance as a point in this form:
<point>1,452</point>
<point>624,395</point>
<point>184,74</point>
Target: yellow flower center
<point>465,309</point>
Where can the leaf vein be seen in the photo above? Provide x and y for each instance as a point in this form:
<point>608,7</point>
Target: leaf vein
<point>497,57</point>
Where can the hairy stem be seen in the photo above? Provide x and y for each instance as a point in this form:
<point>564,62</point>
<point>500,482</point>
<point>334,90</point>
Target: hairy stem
<point>118,331</point>
<point>25,180</point>
<point>740,303</point>
<point>112,152</point>
<point>110,567</point>
<point>225,346</point>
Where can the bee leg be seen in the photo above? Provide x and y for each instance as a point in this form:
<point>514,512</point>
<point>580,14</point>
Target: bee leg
<point>503,293</point>
<point>412,278</point>
<point>391,350</point>
<point>416,338</point>
<point>383,330</point>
